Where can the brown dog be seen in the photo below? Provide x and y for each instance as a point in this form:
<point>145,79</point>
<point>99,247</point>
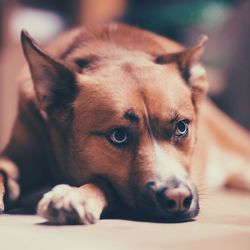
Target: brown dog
<point>119,113</point>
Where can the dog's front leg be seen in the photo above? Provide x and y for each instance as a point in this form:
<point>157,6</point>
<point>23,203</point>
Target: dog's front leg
<point>9,187</point>
<point>65,204</point>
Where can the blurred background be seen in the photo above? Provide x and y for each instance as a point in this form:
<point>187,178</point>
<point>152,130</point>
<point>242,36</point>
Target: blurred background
<point>226,22</point>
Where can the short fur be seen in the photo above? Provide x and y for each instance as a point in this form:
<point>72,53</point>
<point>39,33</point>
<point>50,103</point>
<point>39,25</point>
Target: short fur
<point>92,80</point>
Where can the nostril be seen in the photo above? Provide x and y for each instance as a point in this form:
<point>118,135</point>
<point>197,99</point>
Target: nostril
<point>170,204</point>
<point>187,201</point>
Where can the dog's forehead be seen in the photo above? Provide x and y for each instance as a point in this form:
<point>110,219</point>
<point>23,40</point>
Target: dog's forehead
<point>136,84</point>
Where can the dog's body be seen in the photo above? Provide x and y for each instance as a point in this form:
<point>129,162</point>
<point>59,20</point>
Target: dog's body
<point>119,112</point>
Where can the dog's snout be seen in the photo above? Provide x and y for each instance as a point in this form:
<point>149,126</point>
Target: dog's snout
<point>175,200</point>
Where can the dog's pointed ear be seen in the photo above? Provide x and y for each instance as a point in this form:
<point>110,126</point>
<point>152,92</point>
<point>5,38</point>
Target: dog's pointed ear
<point>54,82</point>
<point>191,70</point>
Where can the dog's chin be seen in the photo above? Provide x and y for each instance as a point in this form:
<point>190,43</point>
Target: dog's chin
<point>181,217</point>
<point>186,216</point>
<point>156,213</point>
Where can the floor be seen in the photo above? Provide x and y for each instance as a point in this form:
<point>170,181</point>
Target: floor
<point>224,223</point>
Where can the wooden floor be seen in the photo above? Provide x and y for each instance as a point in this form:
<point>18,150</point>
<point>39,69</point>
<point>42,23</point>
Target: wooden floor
<point>224,223</point>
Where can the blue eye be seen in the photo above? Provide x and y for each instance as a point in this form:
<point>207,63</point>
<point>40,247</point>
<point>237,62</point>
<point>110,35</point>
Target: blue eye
<point>181,128</point>
<point>119,136</point>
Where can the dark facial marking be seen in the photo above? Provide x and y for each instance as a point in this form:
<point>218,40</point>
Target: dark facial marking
<point>174,58</point>
<point>82,62</point>
<point>131,116</point>
<point>185,72</point>
<point>165,59</point>
<point>86,63</point>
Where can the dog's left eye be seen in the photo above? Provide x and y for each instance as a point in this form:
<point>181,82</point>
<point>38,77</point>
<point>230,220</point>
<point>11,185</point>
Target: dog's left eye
<point>181,128</point>
<point>119,136</point>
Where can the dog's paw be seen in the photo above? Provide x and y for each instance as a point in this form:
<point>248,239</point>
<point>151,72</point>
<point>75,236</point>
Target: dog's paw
<point>66,205</point>
<point>8,182</point>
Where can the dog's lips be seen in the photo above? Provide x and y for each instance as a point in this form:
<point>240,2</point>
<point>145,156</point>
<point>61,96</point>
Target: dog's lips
<point>160,214</point>
<point>156,213</point>
<point>182,217</point>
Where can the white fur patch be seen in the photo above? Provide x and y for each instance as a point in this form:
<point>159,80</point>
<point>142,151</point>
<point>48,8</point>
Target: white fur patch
<point>64,204</point>
<point>166,165</point>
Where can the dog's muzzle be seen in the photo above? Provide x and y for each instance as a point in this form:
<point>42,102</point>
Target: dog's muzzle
<point>174,200</point>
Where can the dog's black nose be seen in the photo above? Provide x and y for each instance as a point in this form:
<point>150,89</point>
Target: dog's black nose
<point>175,200</point>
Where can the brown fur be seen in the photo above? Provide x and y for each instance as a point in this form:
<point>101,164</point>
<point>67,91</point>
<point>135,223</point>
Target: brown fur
<point>94,79</point>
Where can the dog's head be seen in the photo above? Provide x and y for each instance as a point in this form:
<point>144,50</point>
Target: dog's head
<point>127,116</point>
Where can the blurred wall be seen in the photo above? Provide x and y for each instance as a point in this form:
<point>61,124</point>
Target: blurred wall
<point>10,63</point>
<point>234,99</point>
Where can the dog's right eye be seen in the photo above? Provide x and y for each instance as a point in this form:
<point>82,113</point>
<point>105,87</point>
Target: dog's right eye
<point>181,128</point>
<point>119,136</point>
